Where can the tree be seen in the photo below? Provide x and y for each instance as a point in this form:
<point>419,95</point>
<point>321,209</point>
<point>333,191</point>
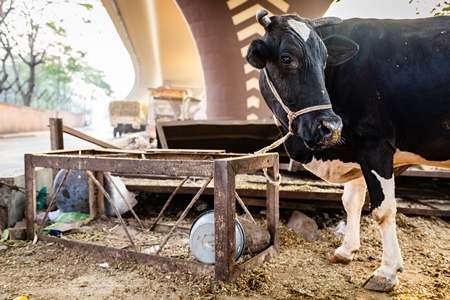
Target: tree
<point>5,50</point>
<point>38,61</point>
<point>439,8</point>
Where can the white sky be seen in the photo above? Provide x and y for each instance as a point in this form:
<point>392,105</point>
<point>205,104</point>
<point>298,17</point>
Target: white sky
<point>386,9</point>
<point>106,52</point>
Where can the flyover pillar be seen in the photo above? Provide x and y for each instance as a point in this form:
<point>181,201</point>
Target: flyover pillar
<point>222,31</point>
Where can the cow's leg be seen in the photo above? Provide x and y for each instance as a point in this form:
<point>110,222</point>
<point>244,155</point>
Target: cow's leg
<point>383,212</point>
<point>353,200</point>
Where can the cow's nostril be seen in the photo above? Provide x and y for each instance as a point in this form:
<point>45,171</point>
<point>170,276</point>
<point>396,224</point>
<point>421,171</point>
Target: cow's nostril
<point>326,129</point>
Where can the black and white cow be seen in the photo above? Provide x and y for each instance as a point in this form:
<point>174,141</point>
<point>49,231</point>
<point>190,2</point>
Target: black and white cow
<point>356,99</point>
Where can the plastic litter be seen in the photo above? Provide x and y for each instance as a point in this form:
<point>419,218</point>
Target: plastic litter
<point>74,194</point>
<point>40,198</point>
<point>104,265</point>
<point>52,215</point>
<point>340,228</point>
<point>72,216</point>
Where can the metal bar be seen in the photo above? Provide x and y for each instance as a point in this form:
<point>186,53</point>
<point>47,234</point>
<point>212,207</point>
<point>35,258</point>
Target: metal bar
<point>114,207</point>
<point>168,202</point>
<point>30,195</point>
<point>224,220</point>
<point>100,197</point>
<point>159,262</point>
<point>183,215</point>
<point>242,204</point>
<point>130,208</point>
<point>250,163</point>
<point>126,165</point>
<point>272,204</point>
<point>53,199</point>
<point>93,206</point>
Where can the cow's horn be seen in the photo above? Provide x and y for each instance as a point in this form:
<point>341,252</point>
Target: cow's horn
<point>263,19</point>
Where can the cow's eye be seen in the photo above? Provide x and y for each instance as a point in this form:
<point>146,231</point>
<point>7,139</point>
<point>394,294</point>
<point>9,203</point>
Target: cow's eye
<point>286,59</point>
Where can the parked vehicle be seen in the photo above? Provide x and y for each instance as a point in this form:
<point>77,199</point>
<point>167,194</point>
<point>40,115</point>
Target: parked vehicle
<point>163,105</point>
<point>128,116</point>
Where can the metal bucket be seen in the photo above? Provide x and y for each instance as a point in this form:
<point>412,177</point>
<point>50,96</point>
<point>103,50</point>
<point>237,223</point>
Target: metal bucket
<point>202,239</point>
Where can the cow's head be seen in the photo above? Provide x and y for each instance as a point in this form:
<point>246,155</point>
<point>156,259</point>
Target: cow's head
<point>293,58</point>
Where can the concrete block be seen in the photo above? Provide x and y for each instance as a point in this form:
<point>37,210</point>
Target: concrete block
<point>12,195</point>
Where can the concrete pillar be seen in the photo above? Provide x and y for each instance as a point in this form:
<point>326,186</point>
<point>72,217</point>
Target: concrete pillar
<point>222,31</point>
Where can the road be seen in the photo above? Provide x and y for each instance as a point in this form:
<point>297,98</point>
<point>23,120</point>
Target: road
<point>14,146</point>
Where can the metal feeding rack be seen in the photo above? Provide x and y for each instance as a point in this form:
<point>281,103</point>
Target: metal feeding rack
<point>218,167</point>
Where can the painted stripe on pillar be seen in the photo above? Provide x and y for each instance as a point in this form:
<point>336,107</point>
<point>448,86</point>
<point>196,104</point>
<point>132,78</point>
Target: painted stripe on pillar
<point>253,101</point>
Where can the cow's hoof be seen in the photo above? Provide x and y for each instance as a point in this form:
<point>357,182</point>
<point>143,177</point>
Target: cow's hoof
<point>380,284</point>
<point>339,259</point>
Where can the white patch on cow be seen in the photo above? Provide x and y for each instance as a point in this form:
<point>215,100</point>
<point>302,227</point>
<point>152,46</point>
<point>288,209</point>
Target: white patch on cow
<point>384,215</point>
<point>301,28</point>
<point>334,171</point>
<point>402,158</point>
<point>353,200</point>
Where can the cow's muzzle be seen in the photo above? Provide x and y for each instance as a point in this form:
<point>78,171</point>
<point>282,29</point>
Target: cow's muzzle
<point>326,133</point>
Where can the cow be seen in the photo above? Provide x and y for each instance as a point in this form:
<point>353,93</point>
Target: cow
<point>356,99</point>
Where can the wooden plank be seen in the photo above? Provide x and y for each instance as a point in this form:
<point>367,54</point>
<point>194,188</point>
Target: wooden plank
<point>423,212</point>
<point>161,136</point>
<point>282,204</point>
<point>424,173</point>
<point>88,138</point>
<point>247,192</point>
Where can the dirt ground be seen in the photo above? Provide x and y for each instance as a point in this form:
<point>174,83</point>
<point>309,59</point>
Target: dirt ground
<point>300,271</point>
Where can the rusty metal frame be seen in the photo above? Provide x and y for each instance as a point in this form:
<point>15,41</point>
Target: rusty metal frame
<point>223,167</point>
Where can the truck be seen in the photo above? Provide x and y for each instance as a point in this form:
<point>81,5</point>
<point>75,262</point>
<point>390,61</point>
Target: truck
<point>170,105</point>
<point>163,105</point>
<point>128,116</point>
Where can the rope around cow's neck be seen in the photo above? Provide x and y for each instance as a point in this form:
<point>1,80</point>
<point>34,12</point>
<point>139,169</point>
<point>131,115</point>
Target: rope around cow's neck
<point>291,116</point>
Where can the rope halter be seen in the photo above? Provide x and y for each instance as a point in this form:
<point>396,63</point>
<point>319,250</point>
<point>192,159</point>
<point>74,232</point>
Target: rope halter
<point>291,115</point>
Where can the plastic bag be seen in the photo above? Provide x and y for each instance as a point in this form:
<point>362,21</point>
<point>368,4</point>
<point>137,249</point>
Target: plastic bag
<point>72,216</point>
<point>339,230</point>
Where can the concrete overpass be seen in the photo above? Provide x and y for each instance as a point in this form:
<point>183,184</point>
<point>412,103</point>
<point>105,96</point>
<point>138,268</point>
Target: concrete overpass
<point>200,45</point>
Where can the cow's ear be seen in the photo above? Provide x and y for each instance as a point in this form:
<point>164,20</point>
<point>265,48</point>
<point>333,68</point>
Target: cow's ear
<point>340,49</point>
<point>326,21</point>
<point>257,54</point>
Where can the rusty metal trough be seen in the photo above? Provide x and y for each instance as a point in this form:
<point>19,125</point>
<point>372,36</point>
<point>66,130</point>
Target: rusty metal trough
<point>222,167</point>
